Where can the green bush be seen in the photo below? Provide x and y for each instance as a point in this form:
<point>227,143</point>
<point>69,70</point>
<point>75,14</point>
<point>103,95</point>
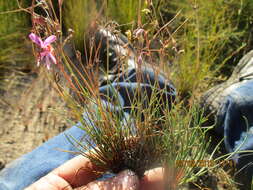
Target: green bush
<point>78,15</point>
<point>14,54</point>
<point>126,11</point>
<point>212,37</point>
<point>11,22</point>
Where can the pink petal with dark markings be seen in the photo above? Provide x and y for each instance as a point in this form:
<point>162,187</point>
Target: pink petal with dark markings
<point>36,39</point>
<point>48,63</point>
<point>49,40</point>
<point>52,57</point>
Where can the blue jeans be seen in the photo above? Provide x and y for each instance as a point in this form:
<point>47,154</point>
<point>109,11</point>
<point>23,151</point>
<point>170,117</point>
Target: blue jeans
<point>235,124</point>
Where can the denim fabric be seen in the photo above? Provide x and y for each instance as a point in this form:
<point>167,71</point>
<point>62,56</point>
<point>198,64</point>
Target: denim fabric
<point>229,107</point>
<point>34,165</point>
<point>235,124</point>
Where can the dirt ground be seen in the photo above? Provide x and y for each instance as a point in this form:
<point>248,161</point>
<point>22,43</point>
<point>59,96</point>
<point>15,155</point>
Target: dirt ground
<point>30,114</point>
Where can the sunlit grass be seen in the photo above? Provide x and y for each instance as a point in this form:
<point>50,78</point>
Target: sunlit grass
<point>11,22</point>
<point>78,15</point>
<point>14,53</point>
<point>127,12</point>
<point>208,38</point>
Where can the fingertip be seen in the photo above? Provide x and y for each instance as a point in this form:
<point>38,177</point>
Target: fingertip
<point>50,181</point>
<point>78,171</point>
<point>125,180</point>
<point>153,179</point>
<point>128,179</point>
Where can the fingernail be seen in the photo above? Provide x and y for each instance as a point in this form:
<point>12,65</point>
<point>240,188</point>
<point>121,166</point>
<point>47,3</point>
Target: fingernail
<point>128,180</point>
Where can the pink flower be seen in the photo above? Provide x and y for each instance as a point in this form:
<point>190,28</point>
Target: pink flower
<point>47,53</point>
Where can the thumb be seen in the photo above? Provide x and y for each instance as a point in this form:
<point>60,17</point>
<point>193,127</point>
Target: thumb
<point>125,180</point>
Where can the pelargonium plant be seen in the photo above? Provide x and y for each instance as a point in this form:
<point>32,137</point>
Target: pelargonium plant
<point>147,138</point>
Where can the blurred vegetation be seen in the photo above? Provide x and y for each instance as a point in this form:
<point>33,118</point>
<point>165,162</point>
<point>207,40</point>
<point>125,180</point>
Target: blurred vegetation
<point>10,22</point>
<point>207,37</point>
<point>14,54</point>
<point>126,12</point>
<point>79,14</point>
<point>211,37</point>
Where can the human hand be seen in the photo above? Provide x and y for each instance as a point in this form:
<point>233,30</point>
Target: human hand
<point>80,174</point>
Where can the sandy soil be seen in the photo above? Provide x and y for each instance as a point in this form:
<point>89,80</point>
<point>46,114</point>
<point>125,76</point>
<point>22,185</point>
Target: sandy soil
<point>30,114</point>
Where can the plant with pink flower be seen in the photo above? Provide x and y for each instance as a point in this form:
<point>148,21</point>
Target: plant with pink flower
<point>47,54</point>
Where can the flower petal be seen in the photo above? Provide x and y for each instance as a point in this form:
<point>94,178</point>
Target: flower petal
<point>52,57</point>
<point>36,39</point>
<point>47,62</point>
<point>49,40</point>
